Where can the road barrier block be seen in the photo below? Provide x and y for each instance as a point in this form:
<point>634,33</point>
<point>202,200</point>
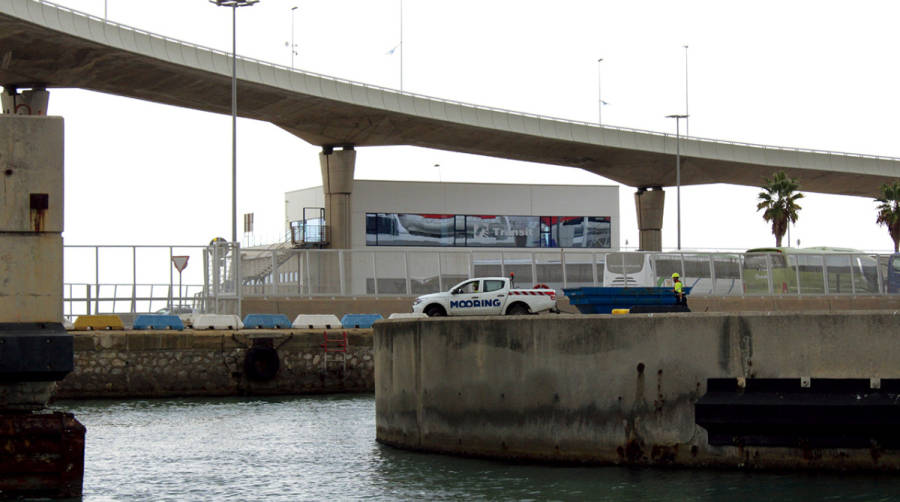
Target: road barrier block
<point>158,321</point>
<point>267,321</point>
<point>217,321</point>
<point>316,321</point>
<point>407,315</point>
<point>101,321</point>
<point>359,320</point>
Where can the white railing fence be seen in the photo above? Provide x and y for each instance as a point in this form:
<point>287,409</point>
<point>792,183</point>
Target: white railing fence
<point>141,279</point>
<point>411,271</point>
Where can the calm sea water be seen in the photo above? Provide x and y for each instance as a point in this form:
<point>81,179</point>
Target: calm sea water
<point>323,448</point>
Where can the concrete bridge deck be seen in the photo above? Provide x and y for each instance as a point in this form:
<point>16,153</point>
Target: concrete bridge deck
<point>45,45</point>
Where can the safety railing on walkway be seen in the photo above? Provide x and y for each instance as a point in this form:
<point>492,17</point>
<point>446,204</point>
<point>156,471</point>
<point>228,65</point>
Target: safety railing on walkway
<point>141,279</point>
<point>411,272</point>
<point>134,279</point>
<point>87,299</point>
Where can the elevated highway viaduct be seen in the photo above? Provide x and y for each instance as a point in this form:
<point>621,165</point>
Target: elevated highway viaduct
<point>43,46</point>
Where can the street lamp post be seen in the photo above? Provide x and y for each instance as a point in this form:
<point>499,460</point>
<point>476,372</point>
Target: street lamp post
<point>599,94</point>
<point>678,169</point>
<point>687,123</point>
<point>234,4</point>
<point>293,45</point>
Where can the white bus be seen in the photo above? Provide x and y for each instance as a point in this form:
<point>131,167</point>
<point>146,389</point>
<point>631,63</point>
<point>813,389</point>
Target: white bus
<point>707,273</point>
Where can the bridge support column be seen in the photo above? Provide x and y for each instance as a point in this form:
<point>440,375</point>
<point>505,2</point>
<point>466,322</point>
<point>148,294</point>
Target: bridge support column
<point>44,451</point>
<point>337,184</point>
<point>30,102</point>
<point>649,204</point>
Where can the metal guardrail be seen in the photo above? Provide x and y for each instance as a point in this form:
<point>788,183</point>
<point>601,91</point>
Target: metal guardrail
<point>411,271</point>
<point>89,298</point>
<point>460,103</point>
<point>406,272</point>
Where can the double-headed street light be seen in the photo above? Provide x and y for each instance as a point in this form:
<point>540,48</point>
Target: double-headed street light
<point>234,4</point>
<point>678,168</point>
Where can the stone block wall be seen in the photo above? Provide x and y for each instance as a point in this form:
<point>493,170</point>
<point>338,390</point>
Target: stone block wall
<point>147,364</point>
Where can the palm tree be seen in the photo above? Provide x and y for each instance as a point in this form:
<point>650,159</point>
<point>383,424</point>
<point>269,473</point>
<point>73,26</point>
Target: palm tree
<point>780,203</point>
<point>889,210</point>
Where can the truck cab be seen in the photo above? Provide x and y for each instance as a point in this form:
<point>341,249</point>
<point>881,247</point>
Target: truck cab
<point>485,296</point>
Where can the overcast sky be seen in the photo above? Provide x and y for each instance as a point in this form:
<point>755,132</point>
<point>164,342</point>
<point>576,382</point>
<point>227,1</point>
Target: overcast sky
<point>811,74</point>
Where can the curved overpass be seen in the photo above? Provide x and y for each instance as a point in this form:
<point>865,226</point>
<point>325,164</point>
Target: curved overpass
<point>42,44</point>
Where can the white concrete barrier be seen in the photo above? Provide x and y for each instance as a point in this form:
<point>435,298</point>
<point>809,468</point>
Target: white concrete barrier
<point>217,321</point>
<point>316,321</point>
<point>407,315</point>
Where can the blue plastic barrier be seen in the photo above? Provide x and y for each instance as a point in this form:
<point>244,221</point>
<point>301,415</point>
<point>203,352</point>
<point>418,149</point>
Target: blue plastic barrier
<point>359,320</point>
<point>603,300</point>
<point>158,321</point>
<point>267,321</point>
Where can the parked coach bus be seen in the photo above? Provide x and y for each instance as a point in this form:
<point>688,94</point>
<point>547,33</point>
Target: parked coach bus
<point>813,271</point>
<point>707,273</point>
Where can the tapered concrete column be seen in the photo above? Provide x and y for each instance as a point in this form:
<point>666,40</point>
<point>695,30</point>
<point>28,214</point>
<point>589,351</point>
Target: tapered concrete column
<point>30,102</point>
<point>649,204</point>
<point>337,183</point>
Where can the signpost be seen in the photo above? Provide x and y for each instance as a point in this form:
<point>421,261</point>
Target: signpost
<point>180,263</point>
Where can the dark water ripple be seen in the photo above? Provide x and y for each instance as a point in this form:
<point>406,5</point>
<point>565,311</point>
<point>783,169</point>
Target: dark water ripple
<point>323,448</point>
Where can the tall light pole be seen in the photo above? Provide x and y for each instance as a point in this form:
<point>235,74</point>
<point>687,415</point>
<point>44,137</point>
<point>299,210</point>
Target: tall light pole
<point>293,45</point>
<point>599,93</point>
<point>678,168</point>
<point>687,123</point>
<point>234,4</point>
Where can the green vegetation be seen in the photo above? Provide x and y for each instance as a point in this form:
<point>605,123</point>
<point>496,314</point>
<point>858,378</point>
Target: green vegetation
<point>889,211</point>
<point>779,199</point>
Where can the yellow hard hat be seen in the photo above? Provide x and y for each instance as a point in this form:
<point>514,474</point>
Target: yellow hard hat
<point>675,275</point>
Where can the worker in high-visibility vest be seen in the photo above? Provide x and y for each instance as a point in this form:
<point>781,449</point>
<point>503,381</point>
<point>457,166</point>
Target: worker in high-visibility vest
<point>679,290</point>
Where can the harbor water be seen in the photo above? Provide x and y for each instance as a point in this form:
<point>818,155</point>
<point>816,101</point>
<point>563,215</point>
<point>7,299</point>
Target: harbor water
<point>324,448</point>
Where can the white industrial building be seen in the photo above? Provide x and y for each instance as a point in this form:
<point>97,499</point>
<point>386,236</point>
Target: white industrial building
<point>417,237</point>
<point>392,214</point>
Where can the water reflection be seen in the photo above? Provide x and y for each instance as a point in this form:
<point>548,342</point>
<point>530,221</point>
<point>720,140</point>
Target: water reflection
<point>318,448</point>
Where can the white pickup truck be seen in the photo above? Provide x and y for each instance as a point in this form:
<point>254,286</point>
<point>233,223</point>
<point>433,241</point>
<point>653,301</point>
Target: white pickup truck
<point>486,296</point>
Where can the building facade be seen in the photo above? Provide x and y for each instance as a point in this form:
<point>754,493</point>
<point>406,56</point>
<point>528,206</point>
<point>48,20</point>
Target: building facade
<point>398,214</point>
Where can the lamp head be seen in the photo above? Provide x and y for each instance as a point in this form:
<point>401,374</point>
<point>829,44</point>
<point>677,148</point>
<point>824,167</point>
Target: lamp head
<point>234,3</point>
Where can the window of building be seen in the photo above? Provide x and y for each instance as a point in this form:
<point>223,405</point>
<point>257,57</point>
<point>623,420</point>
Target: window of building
<point>448,230</point>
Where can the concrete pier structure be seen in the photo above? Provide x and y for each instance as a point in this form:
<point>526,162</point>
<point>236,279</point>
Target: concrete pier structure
<point>649,205</point>
<point>625,389</point>
<point>337,183</point>
<point>43,453</point>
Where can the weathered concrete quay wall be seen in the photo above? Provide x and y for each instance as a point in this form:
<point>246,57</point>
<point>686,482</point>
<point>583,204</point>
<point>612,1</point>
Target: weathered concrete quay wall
<point>385,306</point>
<point>622,389</point>
<point>132,364</point>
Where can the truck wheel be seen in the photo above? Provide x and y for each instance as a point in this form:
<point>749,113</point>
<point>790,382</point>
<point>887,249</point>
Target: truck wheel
<point>435,311</point>
<point>517,309</point>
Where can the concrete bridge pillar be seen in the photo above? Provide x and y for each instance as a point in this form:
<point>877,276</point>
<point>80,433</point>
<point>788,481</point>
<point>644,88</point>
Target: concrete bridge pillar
<point>44,451</point>
<point>649,204</point>
<point>30,102</point>
<point>337,184</point>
